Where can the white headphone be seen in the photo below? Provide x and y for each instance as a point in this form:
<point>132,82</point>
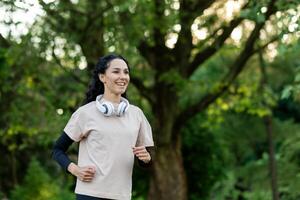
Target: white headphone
<point>107,108</point>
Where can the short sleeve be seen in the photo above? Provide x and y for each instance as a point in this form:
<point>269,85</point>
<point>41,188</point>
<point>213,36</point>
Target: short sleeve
<point>145,132</point>
<point>74,126</point>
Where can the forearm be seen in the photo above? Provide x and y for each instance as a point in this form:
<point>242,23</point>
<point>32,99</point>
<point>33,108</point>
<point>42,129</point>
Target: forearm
<point>59,151</point>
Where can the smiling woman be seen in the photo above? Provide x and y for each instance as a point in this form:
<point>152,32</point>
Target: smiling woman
<point>115,79</point>
<point>110,132</point>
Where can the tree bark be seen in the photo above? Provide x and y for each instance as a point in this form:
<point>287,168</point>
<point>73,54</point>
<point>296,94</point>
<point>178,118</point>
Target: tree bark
<point>269,130</point>
<point>272,162</point>
<point>168,177</point>
<point>14,168</point>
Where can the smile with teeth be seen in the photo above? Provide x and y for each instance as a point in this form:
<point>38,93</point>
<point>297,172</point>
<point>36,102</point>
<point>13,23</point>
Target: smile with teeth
<point>121,84</point>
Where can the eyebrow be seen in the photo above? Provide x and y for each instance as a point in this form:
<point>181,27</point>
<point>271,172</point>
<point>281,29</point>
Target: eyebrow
<point>119,68</point>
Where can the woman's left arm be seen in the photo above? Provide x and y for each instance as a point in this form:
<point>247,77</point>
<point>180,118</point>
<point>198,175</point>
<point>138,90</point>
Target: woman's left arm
<point>144,155</point>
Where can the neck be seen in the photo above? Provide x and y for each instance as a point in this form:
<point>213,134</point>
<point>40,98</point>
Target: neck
<point>112,97</point>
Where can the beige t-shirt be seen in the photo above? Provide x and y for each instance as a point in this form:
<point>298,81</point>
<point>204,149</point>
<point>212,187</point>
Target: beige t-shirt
<point>106,143</point>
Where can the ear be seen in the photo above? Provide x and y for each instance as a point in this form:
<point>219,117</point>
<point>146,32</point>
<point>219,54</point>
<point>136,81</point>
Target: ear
<point>102,78</point>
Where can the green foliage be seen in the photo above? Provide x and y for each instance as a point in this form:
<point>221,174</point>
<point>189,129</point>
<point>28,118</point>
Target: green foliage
<point>141,179</point>
<point>283,5</point>
<point>247,174</point>
<point>224,147</point>
<point>203,158</point>
<point>174,79</point>
<point>254,15</point>
<point>205,79</point>
<point>288,54</point>
<point>39,185</point>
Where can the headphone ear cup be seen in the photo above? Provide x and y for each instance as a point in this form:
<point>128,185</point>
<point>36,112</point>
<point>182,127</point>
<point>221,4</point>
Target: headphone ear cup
<point>121,109</point>
<point>123,106</point>
<point>107,108</point>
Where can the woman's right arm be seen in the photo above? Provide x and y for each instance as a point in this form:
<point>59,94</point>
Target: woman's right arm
<point>60,147</point>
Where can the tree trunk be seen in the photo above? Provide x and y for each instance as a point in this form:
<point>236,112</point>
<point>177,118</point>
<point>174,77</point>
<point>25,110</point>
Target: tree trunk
<point>269,130</point>
<point>272,162</point>
<point>14,168</point>
<point>168,178</point>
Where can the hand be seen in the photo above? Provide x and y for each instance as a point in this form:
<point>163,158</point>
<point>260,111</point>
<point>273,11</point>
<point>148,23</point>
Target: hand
<point>142,153</point>
<point>85,174</point>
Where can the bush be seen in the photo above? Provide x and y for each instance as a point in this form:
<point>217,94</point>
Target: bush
<point>39,186</point>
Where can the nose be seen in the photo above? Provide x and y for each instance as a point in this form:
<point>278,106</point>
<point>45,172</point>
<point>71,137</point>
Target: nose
<point>124,75</point>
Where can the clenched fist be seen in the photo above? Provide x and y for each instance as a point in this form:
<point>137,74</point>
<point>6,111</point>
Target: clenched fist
<point>85,174</point>
<point>142,153</point>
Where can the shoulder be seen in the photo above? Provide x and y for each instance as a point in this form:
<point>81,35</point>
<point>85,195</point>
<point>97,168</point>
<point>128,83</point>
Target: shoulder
<point>138,112</point>
<point>86,109</point>
<point>135,109</point>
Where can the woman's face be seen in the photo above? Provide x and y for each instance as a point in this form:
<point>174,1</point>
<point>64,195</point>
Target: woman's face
<point>116,77</point>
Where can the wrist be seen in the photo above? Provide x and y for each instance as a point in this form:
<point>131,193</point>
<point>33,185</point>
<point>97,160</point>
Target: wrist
<point>72,168</point>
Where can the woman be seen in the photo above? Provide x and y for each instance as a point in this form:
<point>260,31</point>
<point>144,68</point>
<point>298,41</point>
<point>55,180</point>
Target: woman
<point>110,132</point>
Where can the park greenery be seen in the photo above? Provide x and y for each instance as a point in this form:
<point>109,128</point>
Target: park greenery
<point>217,79</point>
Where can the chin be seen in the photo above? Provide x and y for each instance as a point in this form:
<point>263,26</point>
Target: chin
<point>120,92</point>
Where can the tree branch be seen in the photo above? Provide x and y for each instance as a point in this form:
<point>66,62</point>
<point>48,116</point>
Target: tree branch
<point>273,39</point>
<point>258,49</point>
<point>3,42</point>
<point>144,91</point>
<point>146,51</point>
<point>188,13</point>
<point>159,38</point>
<point>55,15</point>
<point>72,8</point>
<point>74,76</point>
<point>205,54</point>
<point>158,50</point>
<point>236,68</point>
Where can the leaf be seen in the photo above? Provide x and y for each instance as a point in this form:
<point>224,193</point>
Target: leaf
<point>286,93</point>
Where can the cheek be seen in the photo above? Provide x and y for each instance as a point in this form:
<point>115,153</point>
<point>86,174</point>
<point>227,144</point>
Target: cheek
<point>111,79</point>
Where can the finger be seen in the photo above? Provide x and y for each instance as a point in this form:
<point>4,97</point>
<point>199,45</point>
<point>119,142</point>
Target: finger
<point>92,169</point>
<point>144,159</point>
<point>138,148</point>
<point>85,176</point>
<point>140,151</point>
<point>88,177</point>
<point>88,173</point>
<point>89,170</point>
<point>143,155</point>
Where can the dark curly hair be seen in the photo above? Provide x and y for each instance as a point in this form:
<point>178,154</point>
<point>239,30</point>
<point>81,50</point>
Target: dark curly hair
<point>96,87</point>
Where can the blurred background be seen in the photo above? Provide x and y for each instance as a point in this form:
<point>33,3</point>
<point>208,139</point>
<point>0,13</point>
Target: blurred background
<point>217,79</point>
